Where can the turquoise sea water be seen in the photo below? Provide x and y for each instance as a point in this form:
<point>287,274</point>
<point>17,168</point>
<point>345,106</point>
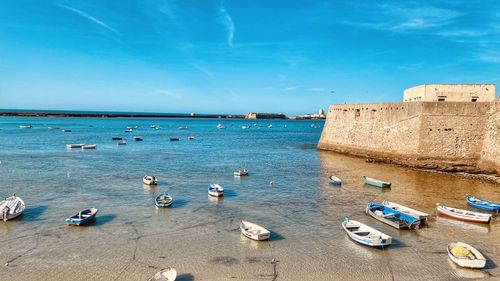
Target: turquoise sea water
<point>199,235</point>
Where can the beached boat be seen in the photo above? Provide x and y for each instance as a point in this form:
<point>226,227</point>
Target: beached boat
<point>220,126</point>
<point>165,274</point>
<point>163,200</point>
<point>11,208</point>
<point>183,127</point>
<point>121,143</point>
<point>138,138</point>
<point>215,190</point>
<point>364,234</point>
<point>240,173</point>
<point>149,180</point>
<point>254,231</point>
<point>82,217</point>
<point>391,217</point>
<point>74,145</point>
<point>174,139</point>
<point>465,255</point>
<point>375,182</point>
<point>116,138</point>
<point>463,215</point>
<point>335,180</point>
<point>66,131</point>
<point>190,138</point>
<point>89,146</point>
<point>482,204</point>
<point>403,209</point>
<point>25,127</point>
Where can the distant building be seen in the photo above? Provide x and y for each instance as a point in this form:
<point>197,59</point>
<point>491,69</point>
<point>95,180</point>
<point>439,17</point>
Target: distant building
<point>253,115</point>
<point>451,92</point>
<point>321,111</point>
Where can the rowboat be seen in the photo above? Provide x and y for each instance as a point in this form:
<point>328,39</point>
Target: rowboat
<point>364,234</point>
<point>391,217</point>
<point>245,127</point>
<point>121,143</point>
<point>190,138</point>
<point>254,231</point>
<point>137,138</point>
<point>174,139</point>
<point>52,128</point>
<point>220,126</point>
<point>156,127</point>
<point>89,146</point>
<point>215,190</point>
<point>165,274</point>
<point>132,127</point>
<point>270,126</point>
<point>82,217</point>
<point>25,127</point>
<point>74,145</point>
<point>403,209</point>
<point>66,131</point>
<point>149,180</point>
<point>128,131</point>
<point>183,127</point>
<point>163,200</point>
<point>463,215</point>
<point>377,183</point>
<point>335,180</point>
<point>12,207</point>
<point>116,138</point>
<point>465,255</point>
<point>240,173</point>
<point>482,204</point>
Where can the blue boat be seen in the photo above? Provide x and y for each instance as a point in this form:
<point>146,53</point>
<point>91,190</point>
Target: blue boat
<point>82,217</point>
<point>482,204</point>
<point>392,217</point>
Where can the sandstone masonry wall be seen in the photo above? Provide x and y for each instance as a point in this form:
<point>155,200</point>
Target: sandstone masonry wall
<point>490,153</point>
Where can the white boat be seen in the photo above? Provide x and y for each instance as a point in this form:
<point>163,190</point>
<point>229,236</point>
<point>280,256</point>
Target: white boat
<point>156,127</point>
<point>270,126</point>
<point>364,234</point>
<point>149,180</point>
<point>375,182</point>
<point>121,142</point>
<point>183,127</point>
<point>465,255</point>
<point>254,231</point>
<point>11,208</point>
<point>53,128</point>
<point>163,200</point>
<point>335,180</point>
<point>409,211</point>
<point>165,274</point>
<point>240,173</point>
<point>220,126</point>
<point>132,127</point>
<point>25,127</point>
<point>74,145</point>
<point>245,127</point>
<point>215,190</point>
<point>66,131</point>
<point>89,146</point>
<point>190,138</point>
<point>138,138</point>
<point>128,131</point>
<point>463,215</point>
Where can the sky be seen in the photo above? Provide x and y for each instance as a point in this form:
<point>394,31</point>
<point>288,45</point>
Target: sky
<point>238,56</point>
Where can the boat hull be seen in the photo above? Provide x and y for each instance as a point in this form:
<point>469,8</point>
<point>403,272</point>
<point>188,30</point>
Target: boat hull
<point>482,204</point>
<point>74,220</point>
<point>377,238</point>
<point>11,208</point>
<point>462,215</point>
<point>409,211</point>
<point>479,262</point>
<point>246,230</point>
<point>377,183</point>
<point>402,221</point>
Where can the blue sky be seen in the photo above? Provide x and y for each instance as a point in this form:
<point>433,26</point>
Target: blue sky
<point>238,56</point>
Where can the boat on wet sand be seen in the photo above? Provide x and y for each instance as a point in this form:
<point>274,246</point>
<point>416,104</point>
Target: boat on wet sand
<point>215,190</point>
<point>463,215</point>
<point>375,182</point>
<point>254,231</point>
<point>82,217</point>
<point>403,209</point>
<point>11,208</point>
<point>482,204</point>
<point>240,173</point>
<point>334,180</point>
<point>75,145</point>
<point>163,200</point>
<point>149,180</point>
<point>465,255</point>
<point>165,274</point>
<point>391,217</point>
<point>364,234</point>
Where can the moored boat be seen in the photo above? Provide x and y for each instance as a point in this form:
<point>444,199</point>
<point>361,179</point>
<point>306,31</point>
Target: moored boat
<point>240,173</point>
<point>25,126</point>
<point>465,255</point>
<point>174,139</point>
<point>149,180</point>
<point>165,274</point>
<point>463,215</point>
<point>128,131</point>
<point>270,126</point>
<point>163,200</point>
<point>66,131</point>
<point>183,127</point>
<point>11,208</point>
<point>334,180</point>
<point>254,231</point>
<point>138,138</point>
<point>190,138</point>
<point>74,145</point>
<point>245,127</point>
<point>482,204</point>
<point>391,217</point>
<point>52,128</point>
<point>375,182</point>
<point>116,138</point>
<point>121,142</point>
<point>220,126</point>
<point>89,146</point>
<point>215,190</point>
<point>82,217</point>
<point>364,234</point>
<point>412,212</point>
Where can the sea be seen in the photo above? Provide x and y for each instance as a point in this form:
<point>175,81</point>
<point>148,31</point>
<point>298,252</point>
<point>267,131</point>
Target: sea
<point>286,191</point>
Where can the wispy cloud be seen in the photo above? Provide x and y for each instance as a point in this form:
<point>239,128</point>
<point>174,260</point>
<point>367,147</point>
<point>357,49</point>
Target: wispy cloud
<point>202,69</point>
<point>314,89</point>
<point>164,93</point>
<point>228,22</point>
<point>291,88</point>
<point>90,18</point>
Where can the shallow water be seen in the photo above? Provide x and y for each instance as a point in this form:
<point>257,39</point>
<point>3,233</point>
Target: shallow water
<point>199,236</point>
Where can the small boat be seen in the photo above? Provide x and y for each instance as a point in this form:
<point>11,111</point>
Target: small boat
<point>138,138</point>
<point>220,126</point>
<point>391,217</point>
<point>74,145</point>
<point>335,180</point>
<point>82,217</point>
<point>25,127</point>
<point>11,208</point>
<point>53,128</point>
<point>183,127</point>
<point>132,127</point>
<point>66,131</point>
<point>240,173</point>
<point>463,215</point>
<point>165,274</point>
<point>149,180</point>
<point>482,204</point>
<point>364,234</point>
<point>156,127</point>
<point>465,255</point>
<point>163,200</point>
<point>270,126</point>
<point>190,138</point>
<point>121,143</point>
<point>245,127</point>
<point>403,209</point>
<point>215,190</point>
<point>174,139</point>
<point>254,231</point>
<point>89,146</point>
<point>377,183</point>
<point>116,138</point>
<point>128,131</point>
